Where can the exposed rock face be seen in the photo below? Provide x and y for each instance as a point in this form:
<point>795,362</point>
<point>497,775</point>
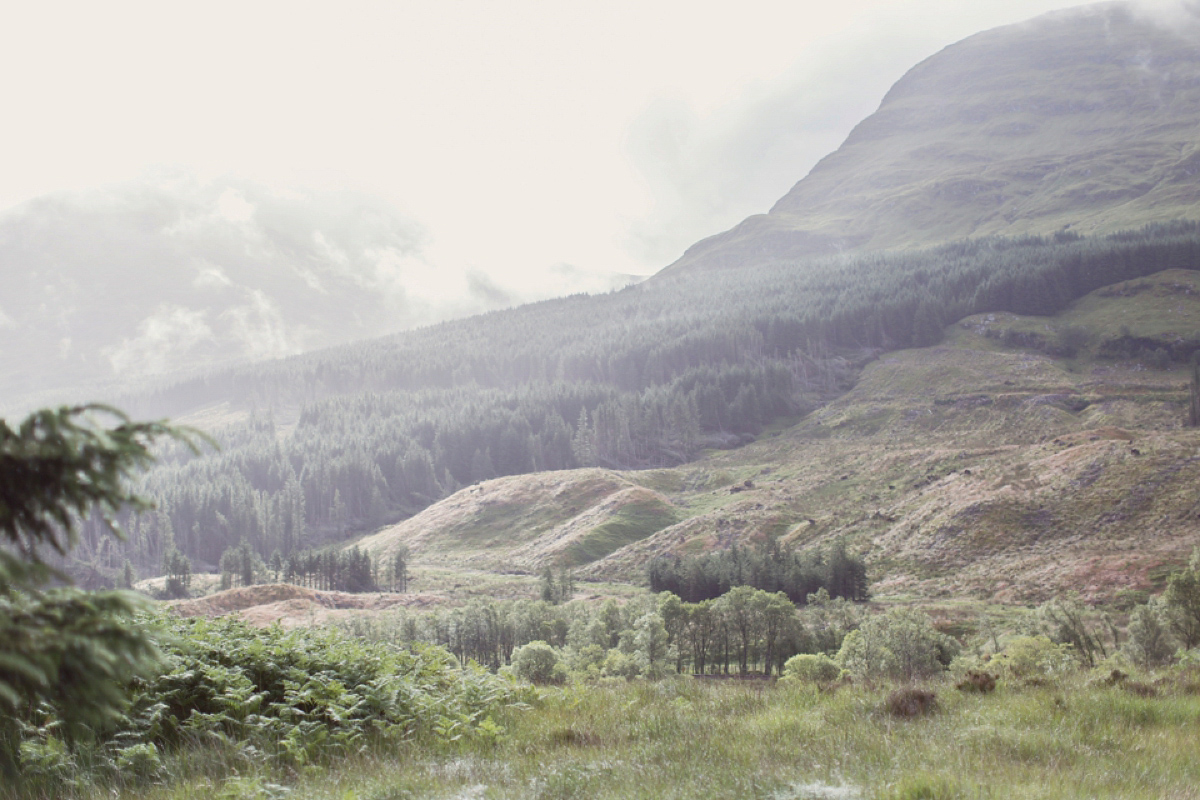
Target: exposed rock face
<point>1085,119</point>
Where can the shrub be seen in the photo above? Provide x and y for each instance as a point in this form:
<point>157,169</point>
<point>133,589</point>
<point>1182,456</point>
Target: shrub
<point>809,668</point>
<point>1026,657</point>
<point>537,662</point>
<point>1072,339</point>
<point>1149,643</point>
<point>620,665</point>
<point>977,681</point>
<point>1183,603</point>
<point>140,763</point>
<point>901,644</point>
<point>911,701</point>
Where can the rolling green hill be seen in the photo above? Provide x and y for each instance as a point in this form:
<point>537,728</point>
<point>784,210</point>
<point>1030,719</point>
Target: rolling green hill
<point>1084,119</point>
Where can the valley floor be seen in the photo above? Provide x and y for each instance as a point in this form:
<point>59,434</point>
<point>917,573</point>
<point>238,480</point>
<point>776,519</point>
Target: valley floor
<point>687,738</point>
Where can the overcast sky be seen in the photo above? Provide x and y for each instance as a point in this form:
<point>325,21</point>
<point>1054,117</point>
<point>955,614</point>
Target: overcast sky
<point>525,139</point>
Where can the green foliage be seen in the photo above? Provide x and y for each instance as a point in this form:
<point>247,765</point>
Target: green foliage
<point>65,656</point>
<point>59,466</point>
<point>179,574</point>
<point>811,668</point>
<point>538,663</point>
<point>294,697</point>
<point>1072,339</point>
<point>555,590</point>
<point>901,644</point>
<point>352,570</point>
<point>1183,603</point>
<point>1149,642</point>
<point>1070,622</point>
<point>1033,657</point>
<point>649,376</point>
<point>653,646</point>
<point>769,568</point>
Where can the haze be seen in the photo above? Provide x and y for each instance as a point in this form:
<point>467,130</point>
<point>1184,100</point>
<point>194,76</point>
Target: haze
<point>503,152</point>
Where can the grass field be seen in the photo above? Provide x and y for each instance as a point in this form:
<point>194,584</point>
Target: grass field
<point>687,738</point>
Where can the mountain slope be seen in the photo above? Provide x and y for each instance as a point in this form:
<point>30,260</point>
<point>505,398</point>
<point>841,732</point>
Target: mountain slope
<point>992,465</point>
<point>1084,119</point>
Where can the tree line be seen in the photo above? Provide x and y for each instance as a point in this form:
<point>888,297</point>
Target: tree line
<point>353,570</point>
<point>742,632</point>
<point>798,575</point>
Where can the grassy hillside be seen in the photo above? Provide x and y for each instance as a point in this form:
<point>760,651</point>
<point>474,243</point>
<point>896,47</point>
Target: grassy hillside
<point>527,522</point>
<point>992,465</point>
<point>1082,119</point>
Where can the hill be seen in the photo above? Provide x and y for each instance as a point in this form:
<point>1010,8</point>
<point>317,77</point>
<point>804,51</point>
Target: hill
<point>983,466</point>
<point>1079,120</point>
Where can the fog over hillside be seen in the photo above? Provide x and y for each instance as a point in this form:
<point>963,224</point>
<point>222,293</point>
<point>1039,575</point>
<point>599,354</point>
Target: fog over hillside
<point>175,275</point>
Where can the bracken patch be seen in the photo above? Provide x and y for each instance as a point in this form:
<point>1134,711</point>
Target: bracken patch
<point>911,702</point>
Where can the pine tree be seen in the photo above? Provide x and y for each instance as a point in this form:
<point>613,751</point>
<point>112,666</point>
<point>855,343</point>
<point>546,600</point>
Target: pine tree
<point>64,650</point>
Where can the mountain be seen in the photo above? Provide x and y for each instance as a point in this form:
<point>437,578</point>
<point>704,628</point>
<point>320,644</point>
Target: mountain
<point>1083,120</point>
<point>998,415</point>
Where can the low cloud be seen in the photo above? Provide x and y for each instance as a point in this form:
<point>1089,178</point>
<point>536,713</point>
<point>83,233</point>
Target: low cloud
<point>260,330</point>
<point>1182,16</point>
<point>707,173</point>
<point>164,340</point>
<point>172,274</point>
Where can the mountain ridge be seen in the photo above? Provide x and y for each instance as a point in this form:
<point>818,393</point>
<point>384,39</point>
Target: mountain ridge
<point>983,139</point>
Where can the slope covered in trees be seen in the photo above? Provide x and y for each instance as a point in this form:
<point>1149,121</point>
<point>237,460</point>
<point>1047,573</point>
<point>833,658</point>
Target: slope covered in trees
<point>354,437</point>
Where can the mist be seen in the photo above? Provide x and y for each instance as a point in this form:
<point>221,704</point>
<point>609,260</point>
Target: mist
<point>174,275</point>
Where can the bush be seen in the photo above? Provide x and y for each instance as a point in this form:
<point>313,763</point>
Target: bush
<point>1072,339</point>
<point>538,663</point>
<point>901,644</point>
<point>620,665</point>
<point>977,681</point>
<point>808,668</point>
<point>911,702</point>
<point>1026,657</point>
<point>1150,643</point>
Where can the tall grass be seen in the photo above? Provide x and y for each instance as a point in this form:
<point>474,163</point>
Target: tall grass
<point>686,738</point>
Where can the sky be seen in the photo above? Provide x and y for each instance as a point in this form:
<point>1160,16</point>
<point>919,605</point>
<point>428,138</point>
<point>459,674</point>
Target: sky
<point>536,147</point>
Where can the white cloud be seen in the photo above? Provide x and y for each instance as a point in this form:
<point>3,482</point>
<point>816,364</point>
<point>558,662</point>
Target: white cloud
<point>259,328</point>
<point>164,341</point>
<point>1178,15</point>
<point>211,277</point>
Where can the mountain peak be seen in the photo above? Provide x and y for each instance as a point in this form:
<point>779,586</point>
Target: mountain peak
<point>1083,119</point>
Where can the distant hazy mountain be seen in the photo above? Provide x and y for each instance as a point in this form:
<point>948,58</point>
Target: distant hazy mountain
<point>1086,119</point>
<point>101,291</point>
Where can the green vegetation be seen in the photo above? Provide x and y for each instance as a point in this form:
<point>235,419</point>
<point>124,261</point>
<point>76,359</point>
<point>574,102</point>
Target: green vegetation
<point>226,697</point>
<point>632,523</point>
<point>1072,738</point>
<point>771,568</point>
<point>65,654</point>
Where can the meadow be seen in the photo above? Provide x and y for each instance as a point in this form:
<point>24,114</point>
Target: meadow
<point>1077,735</point>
